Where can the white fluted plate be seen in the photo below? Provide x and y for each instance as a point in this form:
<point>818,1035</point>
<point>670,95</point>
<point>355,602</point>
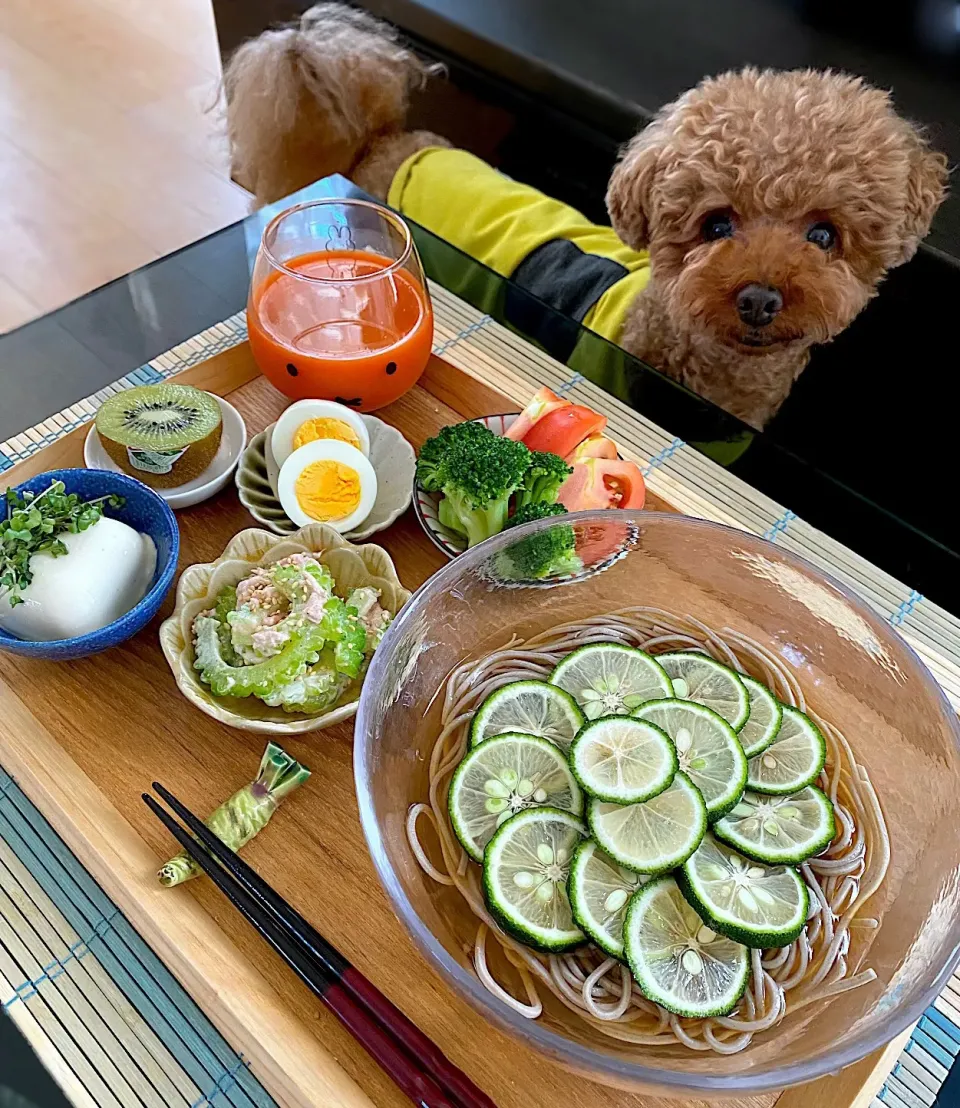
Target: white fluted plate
<point>391,456</point>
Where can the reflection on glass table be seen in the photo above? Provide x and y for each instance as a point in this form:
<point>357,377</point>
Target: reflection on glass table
<point>897,521</point>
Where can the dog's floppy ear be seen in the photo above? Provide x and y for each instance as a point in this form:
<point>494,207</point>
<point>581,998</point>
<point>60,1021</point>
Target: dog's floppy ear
<point>630,192</point>
<point>926,188</point>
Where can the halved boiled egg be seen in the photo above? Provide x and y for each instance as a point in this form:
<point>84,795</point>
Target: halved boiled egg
<point>312,420</point>
<point>327,481</point>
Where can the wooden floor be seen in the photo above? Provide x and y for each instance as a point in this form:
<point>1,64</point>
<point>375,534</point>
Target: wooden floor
<point>108,155</point>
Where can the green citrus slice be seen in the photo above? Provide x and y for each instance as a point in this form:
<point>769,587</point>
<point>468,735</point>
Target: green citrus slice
<point>503,776</point>
<point>607,679</point>
<point>699,678</point>
<point>792,761</point>
<point>531,708</point>
<point>678,961</point>
<point>599,891</point>
<point>623,760</point>
<point>779,829</point>
<point>656,835</point>
<point>763,723</point>
<point>707,750</point>
<point>525,870</point>
<point>754,904</point>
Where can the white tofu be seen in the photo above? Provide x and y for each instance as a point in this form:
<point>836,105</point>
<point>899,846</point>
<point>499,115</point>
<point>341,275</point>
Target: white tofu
<point>106,573</point>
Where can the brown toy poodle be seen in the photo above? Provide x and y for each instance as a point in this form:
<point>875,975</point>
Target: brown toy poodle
<point>771,203</point>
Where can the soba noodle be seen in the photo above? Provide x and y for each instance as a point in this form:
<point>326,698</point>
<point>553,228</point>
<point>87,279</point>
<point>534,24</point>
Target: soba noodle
<point>595,986</point>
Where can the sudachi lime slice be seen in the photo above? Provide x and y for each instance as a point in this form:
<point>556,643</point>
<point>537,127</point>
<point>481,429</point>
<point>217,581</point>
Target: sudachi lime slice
<point>707,748</point>
<point>623,760</point>
<point>678,961</point>
<point>599,892</point>
<point>792,761</point>
<point>656,835</point>
<point>779,829</point>
<point>525,870</point>
<point>607,679</point>
<point>754,904</point>
<point>763,723</point>
<point>503,776</point>
<point>704,681</point>
<point>531,708</point>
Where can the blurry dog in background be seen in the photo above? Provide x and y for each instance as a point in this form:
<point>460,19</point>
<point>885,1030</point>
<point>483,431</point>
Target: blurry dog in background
<point>756,215</point>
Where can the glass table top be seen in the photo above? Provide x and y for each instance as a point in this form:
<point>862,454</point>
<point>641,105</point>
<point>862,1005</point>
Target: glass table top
<point>898,524</point>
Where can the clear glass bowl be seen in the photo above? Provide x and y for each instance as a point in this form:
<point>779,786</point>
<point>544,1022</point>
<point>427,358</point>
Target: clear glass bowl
<point>854,670</point>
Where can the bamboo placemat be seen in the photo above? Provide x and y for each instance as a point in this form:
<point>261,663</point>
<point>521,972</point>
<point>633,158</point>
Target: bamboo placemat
<point>88,993</point>
<point>100,1010</point>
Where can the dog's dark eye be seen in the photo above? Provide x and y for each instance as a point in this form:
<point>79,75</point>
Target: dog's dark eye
<point>823,235</point>
<point>717,225</point>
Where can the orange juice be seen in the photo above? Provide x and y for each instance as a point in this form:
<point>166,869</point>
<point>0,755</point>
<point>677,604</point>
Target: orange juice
<point>351,336</point>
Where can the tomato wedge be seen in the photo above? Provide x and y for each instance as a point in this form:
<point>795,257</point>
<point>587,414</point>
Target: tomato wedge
<point>603,483</point>
<point>562,430</point>
<point>545,401</point>
<point>596,446</point>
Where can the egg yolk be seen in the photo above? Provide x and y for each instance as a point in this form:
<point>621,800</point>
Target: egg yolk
<point>325,427</point>
<point>327,490</point>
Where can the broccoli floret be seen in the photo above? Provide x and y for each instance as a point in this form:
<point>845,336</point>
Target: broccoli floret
<point>449,518</point>
<point>529,512</point>
<point>546,474</point>
<point>433,451</point>
<point>479,479</point>
<point>547,553</point>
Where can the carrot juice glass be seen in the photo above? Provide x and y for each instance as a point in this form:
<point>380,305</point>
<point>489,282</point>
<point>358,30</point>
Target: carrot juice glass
<point>338,306</point>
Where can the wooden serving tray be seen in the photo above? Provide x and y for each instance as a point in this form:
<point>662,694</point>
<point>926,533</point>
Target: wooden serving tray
<point>85,739</point>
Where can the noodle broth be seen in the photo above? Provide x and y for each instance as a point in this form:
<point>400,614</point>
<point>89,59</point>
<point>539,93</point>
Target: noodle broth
<point>814,649</point>
<point>824,959</point>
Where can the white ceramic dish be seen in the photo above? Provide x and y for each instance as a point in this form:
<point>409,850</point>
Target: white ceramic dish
<point>352,567</point>
<point>216,476</point>
<point>391,456</point>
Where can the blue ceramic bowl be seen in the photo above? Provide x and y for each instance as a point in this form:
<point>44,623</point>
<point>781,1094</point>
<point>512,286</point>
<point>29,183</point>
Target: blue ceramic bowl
<point>145,512</point>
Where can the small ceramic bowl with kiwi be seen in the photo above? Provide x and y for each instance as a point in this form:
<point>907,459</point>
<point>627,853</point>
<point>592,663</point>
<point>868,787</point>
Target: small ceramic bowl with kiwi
<point>163,435</point>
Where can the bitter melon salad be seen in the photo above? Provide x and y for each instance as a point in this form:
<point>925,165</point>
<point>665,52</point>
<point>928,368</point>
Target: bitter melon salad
<point>282,634</point>
<point>651,824</point>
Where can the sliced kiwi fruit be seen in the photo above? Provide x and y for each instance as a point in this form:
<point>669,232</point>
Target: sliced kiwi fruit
<point>164,435</point>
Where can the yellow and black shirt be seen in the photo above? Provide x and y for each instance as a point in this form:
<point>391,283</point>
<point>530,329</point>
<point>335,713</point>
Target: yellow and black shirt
<point>548,248</point>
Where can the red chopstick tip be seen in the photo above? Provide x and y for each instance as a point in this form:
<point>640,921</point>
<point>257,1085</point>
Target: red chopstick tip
<point>415,1063</point>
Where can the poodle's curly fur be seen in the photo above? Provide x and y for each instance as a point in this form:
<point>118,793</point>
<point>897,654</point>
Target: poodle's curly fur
<point>774,152</point>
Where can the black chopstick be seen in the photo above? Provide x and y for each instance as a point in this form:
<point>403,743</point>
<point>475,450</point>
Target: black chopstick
<point>313,958</point>
<point>376,1039</point>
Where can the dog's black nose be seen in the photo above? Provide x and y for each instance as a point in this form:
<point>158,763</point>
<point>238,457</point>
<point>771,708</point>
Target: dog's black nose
<point>758,304</point>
